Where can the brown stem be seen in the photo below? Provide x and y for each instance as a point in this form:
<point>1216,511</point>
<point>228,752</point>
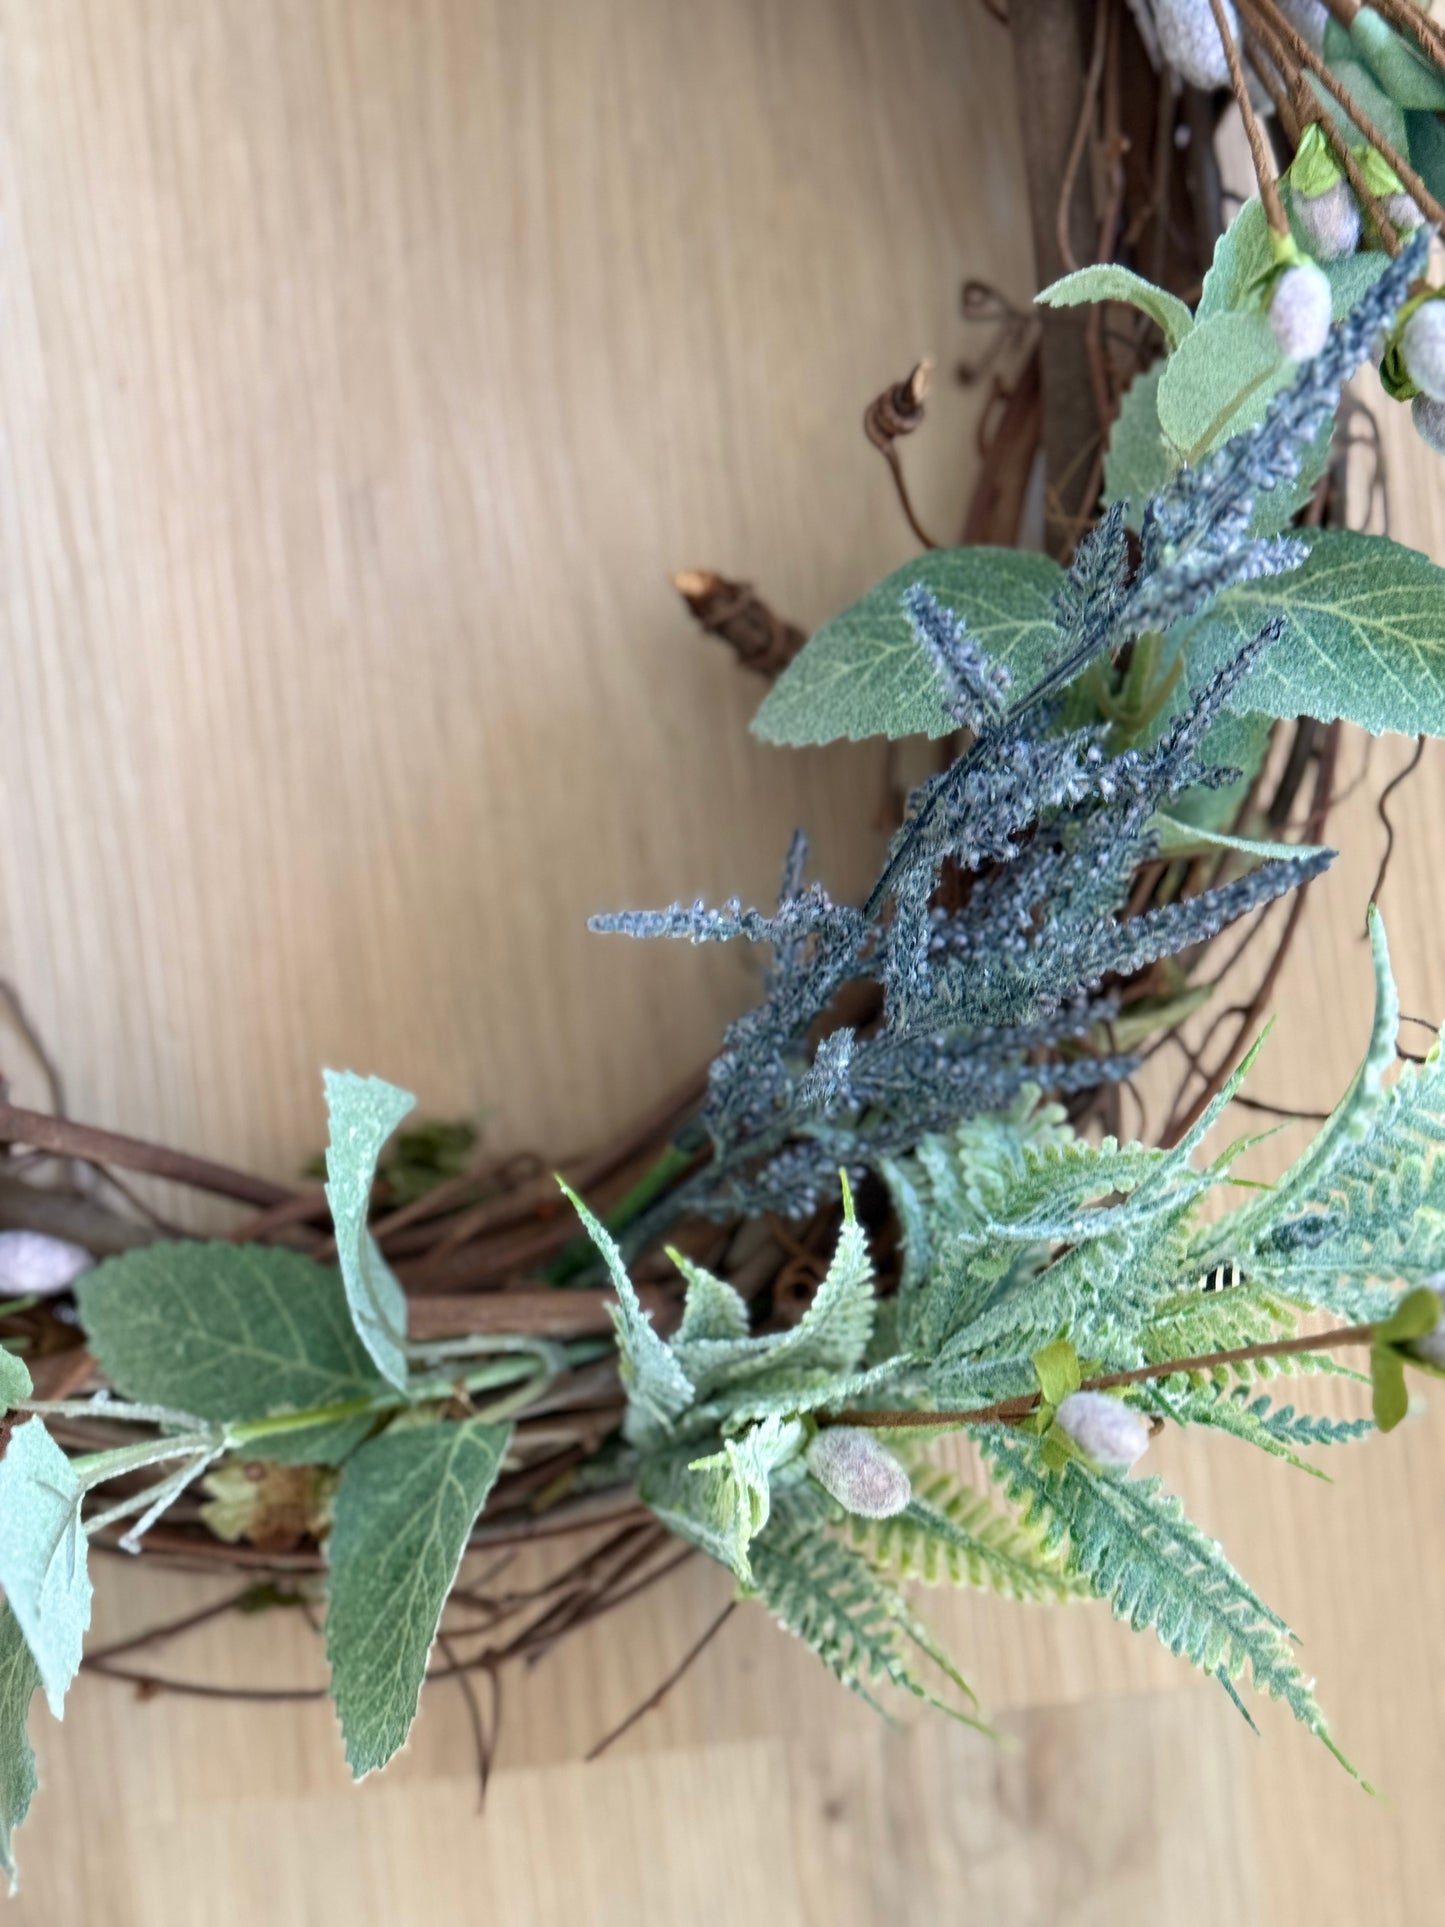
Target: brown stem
<point>70,1140</point>
<point>1008,1411</point>
<point>898,411</point>
<point>660,1693</point>
<point>1258,146</point>
<point>1415,21</point>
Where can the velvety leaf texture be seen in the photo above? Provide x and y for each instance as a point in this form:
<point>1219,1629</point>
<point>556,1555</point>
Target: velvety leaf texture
<point>43,1569</point>
<point>1108,282</point>
<point>864,674</point>
<point>364,1111</point>
<point>233,1333</point>
<point>1364,640</point>
<point>14,1380</point>
<point>19,1677</point>
<point>404,1508</point>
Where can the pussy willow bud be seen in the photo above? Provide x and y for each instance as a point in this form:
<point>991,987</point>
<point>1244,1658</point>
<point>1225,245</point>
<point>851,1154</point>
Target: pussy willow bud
<point>1402,212</point>
<point>33,1265</point>
<point>1423,347</point>
<point>1432,1346</point>
<point>1189,40</point>
<point>1299,311</point>
<point>1104,1430</point>
<point>862,1475</point>
<point>1309,19</point>
<point>1429,419</point>
<point>1330,222</point>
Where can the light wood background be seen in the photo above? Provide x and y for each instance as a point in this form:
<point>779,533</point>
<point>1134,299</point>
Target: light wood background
<point>365,369</point>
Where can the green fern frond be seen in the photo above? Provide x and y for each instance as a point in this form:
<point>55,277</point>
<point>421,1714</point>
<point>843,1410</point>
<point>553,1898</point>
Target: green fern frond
<point>827,1595</point>
<point>951,1532</point>
<point>1158,1570</point>
<point>711,1309</point>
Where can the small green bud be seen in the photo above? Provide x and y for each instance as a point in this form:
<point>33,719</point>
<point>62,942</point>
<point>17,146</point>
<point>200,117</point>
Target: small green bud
<point>1106,1431</point>
<point>862,1475</point>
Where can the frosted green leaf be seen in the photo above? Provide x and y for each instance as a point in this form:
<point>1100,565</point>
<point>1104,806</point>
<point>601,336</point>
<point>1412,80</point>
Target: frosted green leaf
<point>1427,150</point>
<point>1107,282</point>
<point>1242,258</point>
<point>863,673</point>
<point>1406,76</point>
<point>1139,461</point>
<point>234,1333</point>
<point>1365,639</point>
<point>19,1677</point>
<point>363,1112</point>
<point>951,1532</point>
<point>1368,95</point>
<point>14,1380</point>
<point>1188,839</point>
<point>1219,381</point>
<point>658,1390</point>
<point>720,1503</point>
<point>43,1571</point>
<point>710,1308</point>
<point>405,1506</point>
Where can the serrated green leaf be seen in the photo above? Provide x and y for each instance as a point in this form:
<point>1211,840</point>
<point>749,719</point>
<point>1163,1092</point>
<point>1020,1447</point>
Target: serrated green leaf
<point>363,1112</point>
<point>658,1389</point>
<point>951,1532</point>
<point>720,1503</point>
<point>14,1380</point>
<point>863,673</point>
<point>1364,639</point>
<point>405,1506</point>
<point>234,1334</point>
<point>19,1677</point>
<point>710,1307</point>
<point>1108,282</point>
<point>1220,380</point>
<point>43,1569</point>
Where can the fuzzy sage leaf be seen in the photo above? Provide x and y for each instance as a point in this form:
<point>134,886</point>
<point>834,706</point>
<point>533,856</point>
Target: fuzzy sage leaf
<point>235,1334</point>
<point>363,1112</point>
<point>403,1510</point>
<point>19,1677</point>
<point>43,1570</point>
<point>865,674</point>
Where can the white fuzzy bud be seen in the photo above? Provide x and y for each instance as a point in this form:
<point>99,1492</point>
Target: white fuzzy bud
<point>1422,346</point>
<point>1432,1346</point>
<point>1309,19</point>
<point>1402,212</point>
<point>862,1475</point>
<point>1330,221</point>
<point>33,1265</point>
<point>1104,1430</point>
<point>1429,419</point>
<point>1190,43</point>
<point>1299,311</point>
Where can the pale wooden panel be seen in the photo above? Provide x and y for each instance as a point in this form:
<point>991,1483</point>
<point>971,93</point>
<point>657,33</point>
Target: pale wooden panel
<point>365,370</point>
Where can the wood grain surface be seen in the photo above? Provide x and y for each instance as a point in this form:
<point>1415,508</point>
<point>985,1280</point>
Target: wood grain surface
<point>366,367</point>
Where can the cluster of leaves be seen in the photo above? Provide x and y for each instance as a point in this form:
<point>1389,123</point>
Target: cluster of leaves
<point>1024,1240</point>
<point>227,1354</point>
<point>1041,824</point>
